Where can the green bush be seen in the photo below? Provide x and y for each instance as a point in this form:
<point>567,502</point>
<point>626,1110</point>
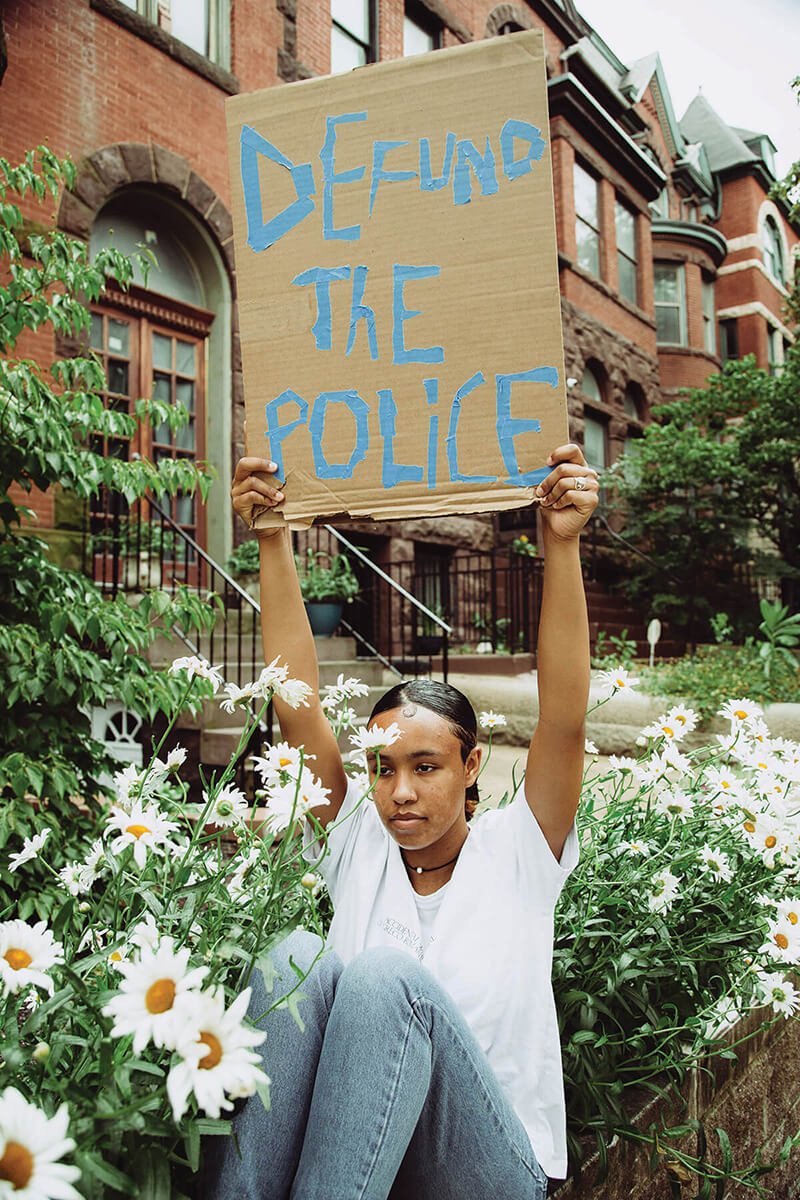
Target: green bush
<point>244,560</point>
<point>714,673</point>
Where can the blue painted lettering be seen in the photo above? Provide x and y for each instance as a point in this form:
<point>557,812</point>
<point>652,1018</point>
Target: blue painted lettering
<point>401,314</point>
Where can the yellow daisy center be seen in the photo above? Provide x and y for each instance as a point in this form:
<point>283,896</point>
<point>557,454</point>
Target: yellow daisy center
<point>668,730</point>
<point>725,784</point>
<point>16,1165</point>
<point>792,918</point>
<point>770,841</point>
<point>137,830</point>
<point>160,996</point>
<point>116,956</point>
<point>214,1050</point>
<point>740,714</point>
<point>284,762</point>
<point>782,941</point>
<point>680,717</point>
<point>17,959</point>
<point>750,826</point>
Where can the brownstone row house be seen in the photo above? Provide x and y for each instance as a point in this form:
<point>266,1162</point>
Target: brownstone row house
<point>672,257</point>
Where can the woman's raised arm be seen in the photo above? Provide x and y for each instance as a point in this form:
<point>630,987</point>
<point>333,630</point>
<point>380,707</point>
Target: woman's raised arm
<point>286,633</point>
<point>555,759</point>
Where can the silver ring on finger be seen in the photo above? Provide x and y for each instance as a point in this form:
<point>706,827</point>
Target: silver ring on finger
<point>580,484</point>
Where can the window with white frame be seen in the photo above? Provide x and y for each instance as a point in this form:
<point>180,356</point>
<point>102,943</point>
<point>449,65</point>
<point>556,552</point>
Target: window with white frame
<point>587,220</point>
<point>627,267</point>
<point>420,34</point>
<point>670,296</point>
<point>203,25</point>
<point>352,34</point>
<point>773,250</point>
<point>709,323</point>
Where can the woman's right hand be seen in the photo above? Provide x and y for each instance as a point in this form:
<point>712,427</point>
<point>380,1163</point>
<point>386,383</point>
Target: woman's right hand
<point>251,486</point>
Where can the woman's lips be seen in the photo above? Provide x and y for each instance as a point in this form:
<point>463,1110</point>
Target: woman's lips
<point>409,820</point>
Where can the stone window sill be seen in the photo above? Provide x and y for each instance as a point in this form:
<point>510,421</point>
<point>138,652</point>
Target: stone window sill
<point>565,262</point>
<point>139,25</point>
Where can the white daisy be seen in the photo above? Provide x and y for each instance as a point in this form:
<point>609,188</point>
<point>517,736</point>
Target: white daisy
<point>375,737</point>
<point>280,763</point>
<point>197,668</point>
<point>764,834</point>
<point>739,711</point>
<point>289,802</point>
<point>779,992</point>
<point>143,828</point>
<point>293,692</point>
<point>151,1003</point>
<point>783,941</point>
<point>618,680</point>
<point>492,720</point>
<point>239,696</point>
<point>71,877</point>
<point>236,882</point>
<point>176,757</point>
<point>271,675</point>
<point>623,765</point>
<point>672,802</point>
<point>218,1063</point>
<point>665,727</point>
<point>344,689</point>
<point>641,849</point>
<point>32,1145</point>
<point>789,910</point>
<point>589,747</point>
<point>230,807</point>
<point>663,891</point>
<point>27,952</point>
<point>30,850</point>
<point>716,863</point>
<point>687,718</point>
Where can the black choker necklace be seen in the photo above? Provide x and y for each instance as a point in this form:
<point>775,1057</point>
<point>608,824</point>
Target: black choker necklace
<point>423,870</point>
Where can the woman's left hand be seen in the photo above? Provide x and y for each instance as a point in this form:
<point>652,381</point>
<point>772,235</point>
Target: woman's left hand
<point>569,494</point>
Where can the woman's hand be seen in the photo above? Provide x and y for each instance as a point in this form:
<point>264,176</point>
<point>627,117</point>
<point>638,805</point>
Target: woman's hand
<point>569,494</point>
<point>251,486</point>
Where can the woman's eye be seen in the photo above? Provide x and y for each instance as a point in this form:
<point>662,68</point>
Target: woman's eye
<point>426,767</point>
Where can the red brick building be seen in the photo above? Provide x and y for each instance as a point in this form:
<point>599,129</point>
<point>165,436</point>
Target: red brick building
<point>671,255</point>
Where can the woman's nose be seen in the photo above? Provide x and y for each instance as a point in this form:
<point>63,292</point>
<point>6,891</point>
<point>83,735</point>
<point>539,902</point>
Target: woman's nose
<point>404,790</point>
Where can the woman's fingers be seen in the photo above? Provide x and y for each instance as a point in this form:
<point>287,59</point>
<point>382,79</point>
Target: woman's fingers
<point>562,479</point>
<point>250,488</point>
<point>567,453</point>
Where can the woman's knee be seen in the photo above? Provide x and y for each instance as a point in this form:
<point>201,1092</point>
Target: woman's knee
<point>293,963</point>
<point>381,971</point>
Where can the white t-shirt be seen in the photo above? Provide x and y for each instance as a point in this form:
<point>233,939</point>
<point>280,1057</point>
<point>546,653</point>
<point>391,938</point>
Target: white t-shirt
<point>427,908</point>
<point>491,944</point>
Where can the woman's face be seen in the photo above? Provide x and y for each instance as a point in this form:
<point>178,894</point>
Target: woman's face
<point>422,780</point>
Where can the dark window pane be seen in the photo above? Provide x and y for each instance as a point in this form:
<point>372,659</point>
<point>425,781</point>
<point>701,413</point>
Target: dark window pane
<point>184,393</point>
<point>118,337</point>
<point>184,510</point>
<point>162,352</point>
<point>185,358</point>
<point>161,388</point>
<point>96,335</point>
<point>185,437</point>
<point>118,377</point>
<point>594,442</point>
<point>162,434</point>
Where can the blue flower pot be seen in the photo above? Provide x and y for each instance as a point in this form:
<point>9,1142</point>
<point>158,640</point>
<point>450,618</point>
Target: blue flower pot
<point>324,616</point>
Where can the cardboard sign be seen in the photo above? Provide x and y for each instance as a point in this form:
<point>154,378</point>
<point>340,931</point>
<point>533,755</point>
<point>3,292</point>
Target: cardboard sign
<point>397,278</point>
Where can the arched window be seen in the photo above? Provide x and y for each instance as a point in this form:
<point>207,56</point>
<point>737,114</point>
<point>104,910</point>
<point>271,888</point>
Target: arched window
<point>773,250</point>
<point>632,401</point>
<point>509,27</point>
<point>590,385</point>
<point>151,340</point>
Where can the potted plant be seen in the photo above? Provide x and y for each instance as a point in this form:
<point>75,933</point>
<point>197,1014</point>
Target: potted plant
<point>327,582</point>
<point>243,566</point>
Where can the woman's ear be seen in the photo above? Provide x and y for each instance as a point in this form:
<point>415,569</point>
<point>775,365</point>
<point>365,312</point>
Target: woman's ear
<point>472,766</point>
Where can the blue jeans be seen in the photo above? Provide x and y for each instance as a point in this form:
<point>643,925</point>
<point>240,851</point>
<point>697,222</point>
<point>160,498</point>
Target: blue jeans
<point>385,1093</point>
